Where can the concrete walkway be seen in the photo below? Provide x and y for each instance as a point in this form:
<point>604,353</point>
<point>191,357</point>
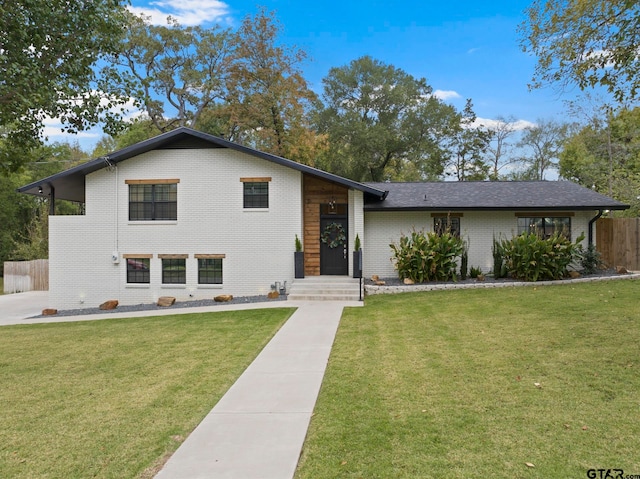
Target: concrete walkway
<point>257,429</point>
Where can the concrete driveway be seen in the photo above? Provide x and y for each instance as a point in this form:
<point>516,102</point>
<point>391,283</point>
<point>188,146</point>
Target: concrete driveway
<point>18,306</point>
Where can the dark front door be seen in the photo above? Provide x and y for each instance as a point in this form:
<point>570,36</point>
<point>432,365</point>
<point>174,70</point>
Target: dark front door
<point>333,245</point>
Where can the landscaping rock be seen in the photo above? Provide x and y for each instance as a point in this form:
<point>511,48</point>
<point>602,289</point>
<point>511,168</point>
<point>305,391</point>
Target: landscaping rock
<point>409,281</point>
<point>621,270</point>
<point>480,277</point>
<point>379,283</point>
<point>166,301</point>
<point>375,277</point>
<point>107,305</point>
<point>574,274</point>
<point>273,295</point>
<point>49,312</point>
<point>223,298</point>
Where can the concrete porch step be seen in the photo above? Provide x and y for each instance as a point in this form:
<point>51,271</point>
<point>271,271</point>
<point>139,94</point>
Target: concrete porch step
<point>325,288</point>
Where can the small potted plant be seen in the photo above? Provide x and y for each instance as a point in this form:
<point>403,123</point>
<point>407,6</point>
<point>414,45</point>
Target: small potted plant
<point>299,259</point>
<point>357,258</point>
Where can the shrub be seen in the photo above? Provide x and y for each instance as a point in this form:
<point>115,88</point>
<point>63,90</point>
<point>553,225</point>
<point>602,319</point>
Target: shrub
<point>427,257</point>
<point>464,261</point>
<point>499,267</point>
<point>590,260</point>
<point>531,258</point>
<point>475,272</point>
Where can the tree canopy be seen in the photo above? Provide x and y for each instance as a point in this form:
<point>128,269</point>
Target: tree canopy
<point>585,43</point>
<point>605,155</point>
<point>48,51</point>
<point>383,123</point>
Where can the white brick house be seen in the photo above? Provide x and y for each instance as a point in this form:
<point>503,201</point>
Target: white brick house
<point>189,215</point>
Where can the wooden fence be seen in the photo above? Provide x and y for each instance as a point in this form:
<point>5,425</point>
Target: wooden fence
<point>20,276</point>
<point>618,241</point>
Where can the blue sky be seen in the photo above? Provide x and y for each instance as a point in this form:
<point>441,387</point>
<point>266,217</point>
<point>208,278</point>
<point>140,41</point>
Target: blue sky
<point>465,49</point>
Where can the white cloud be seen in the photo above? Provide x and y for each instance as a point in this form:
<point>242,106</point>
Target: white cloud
<point>518,125</point>
<point>446,94</point>
<point>471,51</point>
<point>186,12</point>
<point>600,56</point>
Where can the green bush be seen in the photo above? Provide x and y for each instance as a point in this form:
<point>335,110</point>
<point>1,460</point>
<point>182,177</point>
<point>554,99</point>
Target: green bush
<point>475,272</point>
<point>499,267</point>
<point>590,260</point>
<point>531,258</point>
<point>427,257</point>
<point>464,261</point>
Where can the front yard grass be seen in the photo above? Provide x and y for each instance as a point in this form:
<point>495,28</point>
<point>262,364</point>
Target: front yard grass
<point>535,382</point>
<point>114,398</point>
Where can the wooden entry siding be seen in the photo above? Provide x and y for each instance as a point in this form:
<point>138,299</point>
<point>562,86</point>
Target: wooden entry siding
<point>315,193</point>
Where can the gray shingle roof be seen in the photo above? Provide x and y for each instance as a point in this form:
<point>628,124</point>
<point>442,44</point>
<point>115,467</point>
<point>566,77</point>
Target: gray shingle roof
<point>490,195</point>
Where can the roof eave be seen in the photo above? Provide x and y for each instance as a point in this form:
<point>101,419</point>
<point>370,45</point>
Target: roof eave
<point>47,184</point>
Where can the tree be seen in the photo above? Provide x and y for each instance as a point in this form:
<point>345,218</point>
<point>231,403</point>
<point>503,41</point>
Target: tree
<point>499,133</point>
<point>173,72</point>
<point>48,51</point>
<point>585,43</point>
<point>605,155</point>
<point>268,98</point>
<point>383,123</point>
<point>543,143</point>
<point>469,145</point>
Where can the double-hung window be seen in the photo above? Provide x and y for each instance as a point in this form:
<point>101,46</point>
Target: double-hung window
<point>174,268</point>
<point>255,192</point>
<point>138,268</point>
<point>153,200</point>
<point>210,268</point>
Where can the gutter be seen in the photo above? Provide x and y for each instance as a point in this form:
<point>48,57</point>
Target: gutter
<point>591,222</point>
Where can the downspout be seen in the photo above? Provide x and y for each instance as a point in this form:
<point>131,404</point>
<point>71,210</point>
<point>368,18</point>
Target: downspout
<point>52,200</point>
<point>591,222</point>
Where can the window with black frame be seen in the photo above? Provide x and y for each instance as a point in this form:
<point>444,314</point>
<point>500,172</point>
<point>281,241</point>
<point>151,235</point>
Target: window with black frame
<point>138,270</point>
<point>256,194</point>
<point>545,227</point>
<point>174,271</point>
<point>153,202</point>
<point>446,224</point>
<point>210,271</point>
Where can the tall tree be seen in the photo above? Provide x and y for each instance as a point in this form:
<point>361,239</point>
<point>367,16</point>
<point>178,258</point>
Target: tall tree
<point>469,146</point>
<point>585,43</point>
<point>543,143</point>
<point>173,72</point>
<point>268,98</point>
<point>48,51</point>
<point>498,151</point>
<point>383,123</point>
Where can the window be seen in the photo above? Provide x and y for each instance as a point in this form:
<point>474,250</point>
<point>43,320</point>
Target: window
<point>446,224</point>
<point>150,201</point>
<point>174,270</point>
<point>210,270</point>
<point>138,269</point>
<point>545,227</point>
<point>255,192</point>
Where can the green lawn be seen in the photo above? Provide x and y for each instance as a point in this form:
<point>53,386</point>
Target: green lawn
<point>535,382</point>
<point>113,398</point>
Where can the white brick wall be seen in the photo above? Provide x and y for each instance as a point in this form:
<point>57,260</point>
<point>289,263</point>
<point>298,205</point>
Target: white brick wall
<point>478,228</point>
<point>258,244</point>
